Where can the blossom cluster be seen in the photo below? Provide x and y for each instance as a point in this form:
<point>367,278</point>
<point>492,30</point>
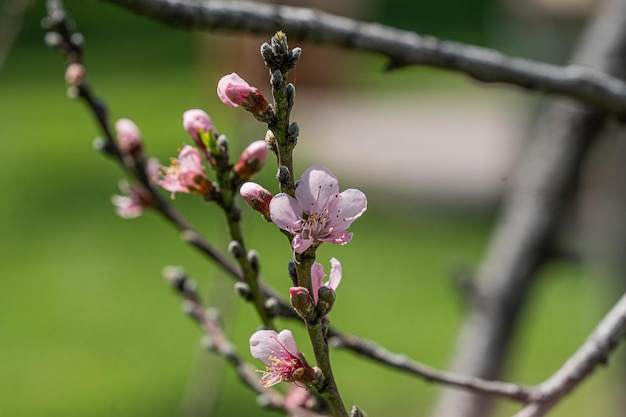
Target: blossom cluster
<point>315,212</point>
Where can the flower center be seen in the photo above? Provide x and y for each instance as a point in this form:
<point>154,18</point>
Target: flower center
<point>314,225</point>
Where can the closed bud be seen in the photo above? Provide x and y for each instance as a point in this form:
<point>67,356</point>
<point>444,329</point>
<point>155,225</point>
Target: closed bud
<point>235,249</point>
<point>293,131</point>
<point>326,300</point>
<point>283,176</point>
<point>279,43</point>
<point>251,160</point>
<point>272,306</point>
<point>302,302</point>
<point>293,272</point>
<point>75,74</point>
<point>199,126</point>
<point>291,95</point>
<point>294,56</point>
<point>277,80</point>
<point>128,137</point>
<point>257,197</point>
<point>253,259</point>
<point>243,290</point>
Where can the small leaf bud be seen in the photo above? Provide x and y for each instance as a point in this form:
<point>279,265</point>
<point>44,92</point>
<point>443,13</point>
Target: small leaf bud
<point>326,300</point>
<point>253,258</point>
<point>235,249</point>
<point>293,131</point>
<point>243,290</point>
<point>283,176</point>
<point>277,80</point>
<point>293,272</point>
<point>272,306</point>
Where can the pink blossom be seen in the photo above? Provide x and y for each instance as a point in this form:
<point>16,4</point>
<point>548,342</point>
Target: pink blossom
<point>252,159</point>
<point>133,203</point>
<point>75,74</point>
<point>128,136</point>
<point>257,197</point>
<point>186,174</point>
<point>319,213</point>
<point>233,90</point>
<point>196,122</point>
<point>318,274</point>
<point>279,353</point>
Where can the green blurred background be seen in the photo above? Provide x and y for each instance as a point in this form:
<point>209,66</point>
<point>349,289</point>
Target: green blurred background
<point>89,328</point>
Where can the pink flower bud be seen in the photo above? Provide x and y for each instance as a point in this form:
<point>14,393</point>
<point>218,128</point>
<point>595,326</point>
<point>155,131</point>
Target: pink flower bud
<point>233,90</point>
<point>128,137</point>
<point>196,121</point>
<point>257,197</point>
<point>75,74</point>
<point>302,302</point>
<point>251,160</point>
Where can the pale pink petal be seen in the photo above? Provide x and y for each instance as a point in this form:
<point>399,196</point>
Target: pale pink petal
<point>227,83</point>
<point>286,213</point>
<point>126,207</point>
<point>316,187</point>
<point>300,245</point>
<point>350,206</point>
<point>172,184</point>
<point>189,160</point>
<point>286,338</point>
<point>263,344</point>
<point>335,274</point>
<point>338,238</point>
<point>317,277</point>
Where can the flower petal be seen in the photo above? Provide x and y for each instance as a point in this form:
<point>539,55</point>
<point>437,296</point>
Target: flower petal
<point>317,276</point>
<point>263,344</point>
<point>299,245</point>
<point>338,238</point>
<point>335,274</point>
<point>286,213</point>
<point>189,160</point>
<point>286,338</point>
<point>316,187</point>
<point>350,206</point>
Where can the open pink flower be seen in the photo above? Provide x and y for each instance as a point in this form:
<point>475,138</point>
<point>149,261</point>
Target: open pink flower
<point>319,213</point>
<point>318,274</point>
<point>186,174</point>
<point>134,201</point>
<point>279,353</point>
<point>233,90</point>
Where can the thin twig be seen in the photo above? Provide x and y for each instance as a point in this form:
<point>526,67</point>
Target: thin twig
<point>401,362</point>
<point>403,48</point>
<point>216,341</point>
<point>593,353</point>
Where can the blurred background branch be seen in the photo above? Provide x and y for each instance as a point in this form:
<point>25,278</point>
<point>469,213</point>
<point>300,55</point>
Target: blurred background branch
<point>12,15</point>
<point>403,48</point>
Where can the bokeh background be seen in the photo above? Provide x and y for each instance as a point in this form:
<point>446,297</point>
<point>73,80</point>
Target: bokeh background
<point>89,328</point>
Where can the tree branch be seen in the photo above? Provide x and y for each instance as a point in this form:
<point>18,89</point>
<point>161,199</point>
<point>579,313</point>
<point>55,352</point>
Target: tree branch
<point>531,212</point>
<point>403,48</point>
<point>594,352</point>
